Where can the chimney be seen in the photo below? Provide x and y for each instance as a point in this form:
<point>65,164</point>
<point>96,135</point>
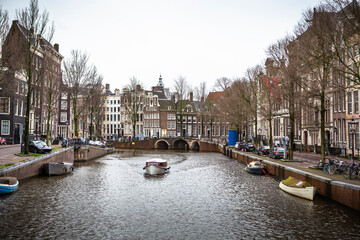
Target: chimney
<point>202,98</point>
<point>56,46</point>
<point>107,87</point>
<point>173,98</point>
<point>191,96</point>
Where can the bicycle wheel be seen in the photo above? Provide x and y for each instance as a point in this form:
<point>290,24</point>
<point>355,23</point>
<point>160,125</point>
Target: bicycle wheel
<point>325,168</point>
<point>331,169</point>
<point>351,173</point>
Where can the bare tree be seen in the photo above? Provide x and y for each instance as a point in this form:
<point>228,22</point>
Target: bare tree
<point>314,51</point>
<point>76,77</point>
<point>4,26</point>
<point>250,94</point>
<point>201,94</point>
<point>52,88</point>
<point>344,34</point>
<point>285,65</point>
<point>133,97</point>
<point>21,53</point>
<point>95,103</point>
<point>221,84</point>
<point>182,90</point>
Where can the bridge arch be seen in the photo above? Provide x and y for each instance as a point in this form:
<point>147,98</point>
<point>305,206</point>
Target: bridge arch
<point>162,144</point>
<point>181,144</point>
<point>195,146</point>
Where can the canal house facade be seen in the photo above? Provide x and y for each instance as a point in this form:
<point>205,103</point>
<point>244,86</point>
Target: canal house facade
<point>46,79</point>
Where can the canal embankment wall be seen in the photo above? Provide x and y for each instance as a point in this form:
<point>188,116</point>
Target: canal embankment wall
<point>86,153</point>
<point>341,192</point>
<point>34,166</point>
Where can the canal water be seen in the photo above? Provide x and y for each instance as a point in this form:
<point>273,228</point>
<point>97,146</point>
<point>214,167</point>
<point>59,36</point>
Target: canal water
<point>204,196</point>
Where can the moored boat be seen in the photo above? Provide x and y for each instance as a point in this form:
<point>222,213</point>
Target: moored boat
<point>256,167</point>
<point>156,166</point>
<point>8,185</point>
<point>298,188</point>
<point>54,168</point>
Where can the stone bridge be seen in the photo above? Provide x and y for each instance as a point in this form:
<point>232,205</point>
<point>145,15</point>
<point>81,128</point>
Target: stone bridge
<point>177,143</point>
<point>169,143</point>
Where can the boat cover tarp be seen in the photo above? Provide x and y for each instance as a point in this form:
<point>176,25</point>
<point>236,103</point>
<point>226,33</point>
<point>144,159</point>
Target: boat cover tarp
<point>293,182</point>
<point>8,180</point>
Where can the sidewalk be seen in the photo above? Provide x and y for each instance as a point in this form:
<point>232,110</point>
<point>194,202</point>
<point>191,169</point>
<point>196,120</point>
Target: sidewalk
<point>307,160</point>
<point>9,154</point>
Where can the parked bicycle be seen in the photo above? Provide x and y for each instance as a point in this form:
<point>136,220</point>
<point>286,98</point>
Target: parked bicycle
<point>335,165</point>
<point>353,169</point>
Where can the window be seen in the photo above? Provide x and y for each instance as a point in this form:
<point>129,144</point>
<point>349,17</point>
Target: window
<point>16,106</point>
<point>356,102</point>
<point>4,105</point>
<point>63,104</point>
<point>63,117</point>
<point>349,103</point>
<point>169,107</point>
<point>5,125</point>
<point>19,108</point>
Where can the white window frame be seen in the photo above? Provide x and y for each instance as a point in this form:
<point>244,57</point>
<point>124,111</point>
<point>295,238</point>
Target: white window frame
<point>2,127</point>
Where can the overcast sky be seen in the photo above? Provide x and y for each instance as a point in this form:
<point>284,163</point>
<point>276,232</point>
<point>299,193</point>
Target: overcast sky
<point>201,40</point>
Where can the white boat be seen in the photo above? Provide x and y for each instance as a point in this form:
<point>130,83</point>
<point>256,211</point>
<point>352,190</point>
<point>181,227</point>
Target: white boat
<point>156,166</point>
<point>298,188</point>
<point>54,168</point>
<point>256,167</point>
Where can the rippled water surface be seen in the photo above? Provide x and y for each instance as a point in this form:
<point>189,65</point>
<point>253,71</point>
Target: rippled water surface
<point>204,196</point>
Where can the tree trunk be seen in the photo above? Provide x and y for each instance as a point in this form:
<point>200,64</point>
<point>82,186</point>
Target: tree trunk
<point>27,116</point>
<point>271,136</point>
<point>322,127</point>
<point>292,121</point>
<point>47,127</point>
<point>256,131</point>
<point>75,118</point>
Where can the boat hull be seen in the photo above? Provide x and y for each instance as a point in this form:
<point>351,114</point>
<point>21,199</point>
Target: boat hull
<point>7,188</point>
<point>307,193</point>
<point>255,170</point>
<point>255,167</point>
<point>156,170</point>
<point>51,169</point>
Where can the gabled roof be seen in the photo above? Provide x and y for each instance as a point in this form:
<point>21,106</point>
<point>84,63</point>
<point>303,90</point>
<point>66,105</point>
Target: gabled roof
<point>43,42</point>
<point>164,105</point>
<point>214,97</point>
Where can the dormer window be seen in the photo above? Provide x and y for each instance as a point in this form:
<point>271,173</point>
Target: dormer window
<point>169,107</point>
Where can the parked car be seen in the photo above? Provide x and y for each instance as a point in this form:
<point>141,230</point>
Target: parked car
<point>249,147</point>
<point>39,147</point>
<point>263,150</point>
<point>277,152</point>
<point>239,145</point>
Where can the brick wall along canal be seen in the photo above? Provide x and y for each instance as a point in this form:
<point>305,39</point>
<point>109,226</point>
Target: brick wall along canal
<point>205,196</point>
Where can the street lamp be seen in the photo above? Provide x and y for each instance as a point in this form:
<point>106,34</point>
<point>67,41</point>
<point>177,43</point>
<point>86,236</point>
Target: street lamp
<point>352,127</point>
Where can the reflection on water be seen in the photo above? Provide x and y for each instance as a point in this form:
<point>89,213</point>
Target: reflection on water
<point>204,196</point>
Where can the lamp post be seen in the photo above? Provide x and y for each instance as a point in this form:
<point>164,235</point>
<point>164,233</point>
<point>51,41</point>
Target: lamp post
<point>352,126</point>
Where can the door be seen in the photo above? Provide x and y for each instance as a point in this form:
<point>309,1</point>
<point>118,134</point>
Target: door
<point>17,134</point>
<point>306,137</point>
